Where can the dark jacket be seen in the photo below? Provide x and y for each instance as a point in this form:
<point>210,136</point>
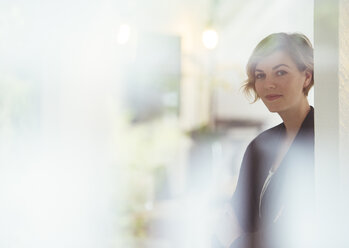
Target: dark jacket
<point>288,201</point>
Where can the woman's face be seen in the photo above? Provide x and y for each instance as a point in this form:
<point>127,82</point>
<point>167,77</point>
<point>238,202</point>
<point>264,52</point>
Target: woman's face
<point>279,83</point>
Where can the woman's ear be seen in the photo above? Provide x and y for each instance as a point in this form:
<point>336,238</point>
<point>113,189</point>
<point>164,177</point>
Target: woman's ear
<point>308,78</point>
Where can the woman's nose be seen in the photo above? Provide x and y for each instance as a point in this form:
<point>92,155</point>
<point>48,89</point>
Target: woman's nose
<point>269,83</point>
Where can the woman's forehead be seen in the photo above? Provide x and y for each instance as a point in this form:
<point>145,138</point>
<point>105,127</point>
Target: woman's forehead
<point>274,59</point>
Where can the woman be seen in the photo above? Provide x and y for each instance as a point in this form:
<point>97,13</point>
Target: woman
<point>274,195</point>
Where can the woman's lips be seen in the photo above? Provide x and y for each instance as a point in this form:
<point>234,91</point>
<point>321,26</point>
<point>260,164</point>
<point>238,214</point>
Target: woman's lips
<point>272,97</point>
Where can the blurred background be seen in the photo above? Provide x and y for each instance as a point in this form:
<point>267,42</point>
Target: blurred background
<point>123,123</point>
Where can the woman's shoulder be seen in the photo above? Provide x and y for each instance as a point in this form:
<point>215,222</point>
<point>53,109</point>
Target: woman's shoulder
<point>270,135</point>
<point>264,145</point>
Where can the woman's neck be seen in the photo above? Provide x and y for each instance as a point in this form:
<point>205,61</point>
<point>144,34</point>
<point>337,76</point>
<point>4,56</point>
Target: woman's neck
<point>294,117</point>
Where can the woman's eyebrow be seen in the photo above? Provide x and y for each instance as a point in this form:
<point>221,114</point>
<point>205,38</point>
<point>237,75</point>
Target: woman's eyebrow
<point>259,70</point>
<point>277,66</point>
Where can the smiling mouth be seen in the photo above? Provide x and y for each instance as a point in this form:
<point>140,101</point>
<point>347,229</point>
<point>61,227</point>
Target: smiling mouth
<point>272,97</point>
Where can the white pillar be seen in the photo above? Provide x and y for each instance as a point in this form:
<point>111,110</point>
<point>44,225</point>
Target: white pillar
<point>344,92</point>
<point>331,43</point>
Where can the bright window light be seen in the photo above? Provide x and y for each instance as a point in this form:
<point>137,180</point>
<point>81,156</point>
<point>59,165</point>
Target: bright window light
<point>124,34</point>
<point>210,38</point>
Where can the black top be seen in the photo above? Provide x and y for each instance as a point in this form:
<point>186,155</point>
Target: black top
<point>290,193</point>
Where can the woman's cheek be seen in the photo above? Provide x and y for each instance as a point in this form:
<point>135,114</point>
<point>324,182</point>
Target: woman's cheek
<point>257,86</point>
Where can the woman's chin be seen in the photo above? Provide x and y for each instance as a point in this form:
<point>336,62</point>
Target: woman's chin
<point>273,109</point>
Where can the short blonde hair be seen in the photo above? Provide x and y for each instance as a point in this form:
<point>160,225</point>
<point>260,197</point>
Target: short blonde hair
<point>296,45</point>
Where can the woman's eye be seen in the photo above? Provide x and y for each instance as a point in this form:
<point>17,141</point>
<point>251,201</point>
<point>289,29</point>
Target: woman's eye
<point>259,76</point>
<point>281,73</point>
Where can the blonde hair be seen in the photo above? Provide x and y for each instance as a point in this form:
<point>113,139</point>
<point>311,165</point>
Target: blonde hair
<point>296,45</point>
